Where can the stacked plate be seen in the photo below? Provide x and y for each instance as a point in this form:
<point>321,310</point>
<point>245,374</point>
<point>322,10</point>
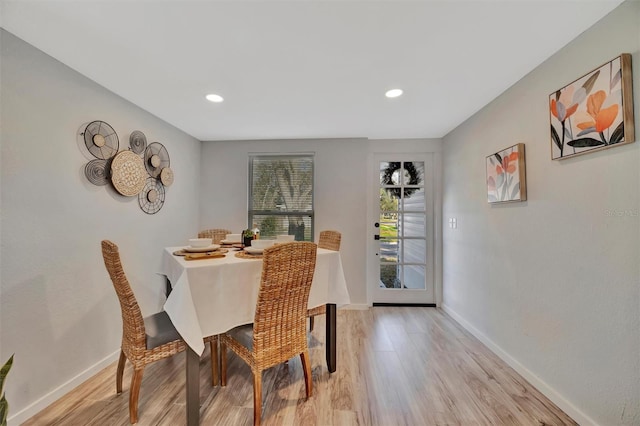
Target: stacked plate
<point>232,239</point>
<point>258,246</point>
<point>211,247</point>
<point>201,245</point>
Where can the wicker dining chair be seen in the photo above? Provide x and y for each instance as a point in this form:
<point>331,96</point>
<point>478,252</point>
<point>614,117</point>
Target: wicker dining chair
<point>329,240</point>
<point>278,332</point>
<point>144,340</point>
<point>216,234</point>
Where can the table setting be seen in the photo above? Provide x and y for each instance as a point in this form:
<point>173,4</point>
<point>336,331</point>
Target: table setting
<point>201,248</point>
<point>204,248</point>
<point>215,291</point>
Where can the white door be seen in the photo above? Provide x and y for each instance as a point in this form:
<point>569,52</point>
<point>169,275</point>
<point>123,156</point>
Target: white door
<point>403,232</point>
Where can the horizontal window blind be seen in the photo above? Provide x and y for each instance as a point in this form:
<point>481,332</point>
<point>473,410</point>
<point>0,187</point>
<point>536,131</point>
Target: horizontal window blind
<point>281,195</point>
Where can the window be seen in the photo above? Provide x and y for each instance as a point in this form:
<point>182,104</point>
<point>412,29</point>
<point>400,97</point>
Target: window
<point>281,195</point>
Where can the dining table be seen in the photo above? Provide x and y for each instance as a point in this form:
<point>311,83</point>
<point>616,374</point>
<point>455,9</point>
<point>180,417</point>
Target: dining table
<point>209,296</point>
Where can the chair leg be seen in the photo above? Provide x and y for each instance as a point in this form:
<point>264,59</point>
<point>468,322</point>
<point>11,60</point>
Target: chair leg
<point>120,372</point>
<point>311,321</point>
<point>223,363</point>
<point>257,397</point>
<point>134,392</point>
<point>306,367</point>
<point>213,344</point>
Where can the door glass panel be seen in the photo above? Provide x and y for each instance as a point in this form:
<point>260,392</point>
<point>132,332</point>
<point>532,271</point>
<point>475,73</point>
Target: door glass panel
<point>389,275</point>
<point>414,251</point>
<point>413,199</point>
<point>388,250</point>
<point>389,226</point>
<point>390,173</point>
<point>414,277</point>
<point>414,225</point>
<point>389,199</point>
<point>413,173</point>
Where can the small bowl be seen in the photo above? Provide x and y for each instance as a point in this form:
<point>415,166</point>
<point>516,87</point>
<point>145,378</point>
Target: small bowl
<point>200,242</point>
<point>233,238</point>
<point>285,238</point>
<point>261,244</point>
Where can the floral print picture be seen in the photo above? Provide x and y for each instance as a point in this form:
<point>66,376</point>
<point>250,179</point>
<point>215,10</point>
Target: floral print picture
<point>506,180</point>
<point>594,112</point>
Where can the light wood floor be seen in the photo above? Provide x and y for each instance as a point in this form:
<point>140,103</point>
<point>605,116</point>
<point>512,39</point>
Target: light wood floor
<point>396,366</point>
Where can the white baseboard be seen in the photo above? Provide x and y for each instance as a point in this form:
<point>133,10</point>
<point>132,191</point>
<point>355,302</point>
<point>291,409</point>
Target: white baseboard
<point>42,403</point>
<point>573,412</point>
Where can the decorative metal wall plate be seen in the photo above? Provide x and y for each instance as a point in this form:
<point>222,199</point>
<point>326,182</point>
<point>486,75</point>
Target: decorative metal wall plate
<point>137,142</point>
<point>156,158</point>
<point>128,173</point>
<point>97,172</point>
<point>151,198</point>
<point>101,140</point>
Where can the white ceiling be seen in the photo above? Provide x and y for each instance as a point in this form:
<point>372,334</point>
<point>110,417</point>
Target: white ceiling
<point>304,69</point>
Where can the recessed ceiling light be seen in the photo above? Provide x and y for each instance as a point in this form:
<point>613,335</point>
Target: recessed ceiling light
<point>214,98</point>
<point>393,93</point>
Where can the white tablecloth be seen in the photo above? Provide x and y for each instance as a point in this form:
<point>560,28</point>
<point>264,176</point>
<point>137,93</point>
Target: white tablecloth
<point>214,295</point>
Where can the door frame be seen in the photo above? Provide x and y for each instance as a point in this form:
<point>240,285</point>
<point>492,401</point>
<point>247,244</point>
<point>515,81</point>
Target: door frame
<point>372,264</point>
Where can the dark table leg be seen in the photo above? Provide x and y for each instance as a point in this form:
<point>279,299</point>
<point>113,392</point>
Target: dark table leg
<point>193,378</point>
<point>331,334</point>
<point>193,388</point>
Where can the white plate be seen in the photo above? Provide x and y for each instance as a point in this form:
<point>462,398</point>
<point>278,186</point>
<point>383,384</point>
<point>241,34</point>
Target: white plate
<point>212,247</point>
<point>230,242</point>
<point>253,250</point>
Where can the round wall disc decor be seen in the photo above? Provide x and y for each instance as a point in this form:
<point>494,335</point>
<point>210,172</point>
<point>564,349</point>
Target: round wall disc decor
<point>155,161</point>
<point>128,173</point>
<point>152,195</point>
<point>156,158</point>
<point>97,172</point>
<point>101,140</point>
<point>166,176</point>
<point>151,198</point>
<point>137,142</point>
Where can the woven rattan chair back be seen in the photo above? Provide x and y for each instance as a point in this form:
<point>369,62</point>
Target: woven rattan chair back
<point>133,331</point>
<point>134,342</point>
<point>216,234</point>
<point>330,240</point>
<point>279,328</point>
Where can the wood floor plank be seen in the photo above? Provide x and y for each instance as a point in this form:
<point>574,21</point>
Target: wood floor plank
<point>396,366</point>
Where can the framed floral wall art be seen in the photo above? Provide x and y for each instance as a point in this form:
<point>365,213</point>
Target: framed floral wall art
<point>506,177</point>
<point>594,112</point>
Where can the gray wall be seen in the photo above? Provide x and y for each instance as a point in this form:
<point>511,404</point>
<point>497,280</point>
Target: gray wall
<point>552,284</point>
<point>59,313</point>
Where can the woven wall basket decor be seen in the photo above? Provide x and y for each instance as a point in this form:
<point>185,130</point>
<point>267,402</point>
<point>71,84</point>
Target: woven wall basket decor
<point>128,173</point>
